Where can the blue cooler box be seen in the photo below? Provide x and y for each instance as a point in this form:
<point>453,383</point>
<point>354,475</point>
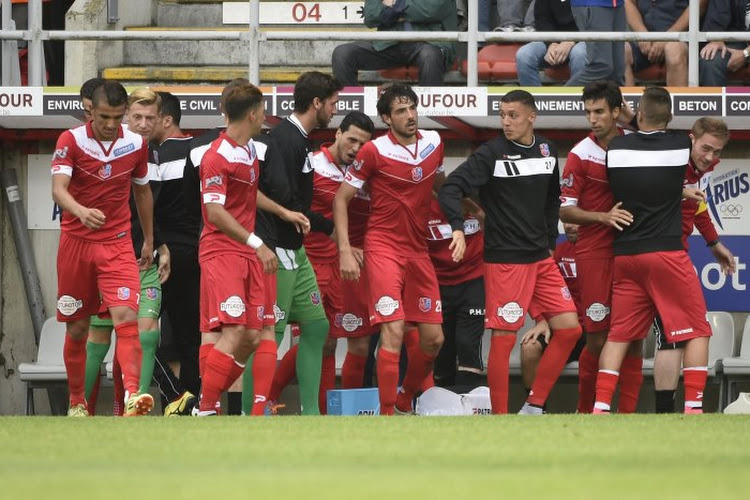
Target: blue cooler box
<point>353,402</point>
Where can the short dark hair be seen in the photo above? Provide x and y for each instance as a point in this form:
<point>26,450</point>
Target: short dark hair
<point>397,91</point>
<point>241,99</point>
<point>311,85</point>
<point>237,82</point>
<point>521,96</point>
<point>656,105</point>
<point>601,89</point>
<point>89,86</point>
<point>170,106</point>
<point>111,92</point>
<point>357,119</point>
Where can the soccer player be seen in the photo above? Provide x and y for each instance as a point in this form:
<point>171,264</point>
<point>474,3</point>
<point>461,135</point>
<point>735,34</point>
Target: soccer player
<point>344,301</point>
<point>86,93</point>
<point>709,137</point>
<point>518,182</point>
<point>652,271</point>
<point>93,168</point>
<point>298,297</point>
<point>401,169</point>
<point>588,201</point>
<point>459,362</point>
<point>235,304</point>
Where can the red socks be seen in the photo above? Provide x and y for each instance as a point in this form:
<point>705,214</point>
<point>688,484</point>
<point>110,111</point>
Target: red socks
<point>264,366</point>
<point>552,363</point>
<point>606,382</point>
<point>588,367</point>
<point>631,379</point>
<point>419,367</point>
<point>498,371</point>
<point>202,355</point>
<point>387,369</point>
<point>129,354</point>
<point>74,356</point>
<point>695,382</point>
<point>285,372</point>
<point>353,371</point>
<point>327,382</point>
<point>221,370</point>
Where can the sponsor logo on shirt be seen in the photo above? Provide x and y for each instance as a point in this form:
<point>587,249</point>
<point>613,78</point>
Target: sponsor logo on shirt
<point>68,305</point>
<point>510,312</point>
<point>597,311</point>
<point>105,172</point>
<point>125,149</point>
<point>544,149</point>
<point>278,313</point>
<point>567,181</point>
<point>123,293</point>
<point>386,305</point>
<point>416,174</point>
<point>684,331</point>
<point>213,181</point>
<point>358,164</point>
<point>233,306</point>
<point>429,149</point>
<point>315,298</point>
<point>425,304</point>
<point>60,154</point>
<point>565,293</point>
<point>151,293</point>
<point>350,322</point>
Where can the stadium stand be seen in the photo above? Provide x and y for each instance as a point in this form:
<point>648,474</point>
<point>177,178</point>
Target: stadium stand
<point>737,368</point>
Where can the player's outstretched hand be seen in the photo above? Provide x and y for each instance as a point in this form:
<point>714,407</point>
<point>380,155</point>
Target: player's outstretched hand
<point>725,258</point>
<point>268,259</point>
<point>541,329</point>
<point>458,245</point>
<point>92,218</point>
<point>147,256</point>
<point>300,221</point>
<point>694,194</point>
<point>349,267</point>
<point>617,218</point>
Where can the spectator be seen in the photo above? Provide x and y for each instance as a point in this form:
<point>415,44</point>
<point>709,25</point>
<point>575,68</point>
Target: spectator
<point>550,15</point>
<point>719,58</point>
<point>604,60</point>
<point>432,58</point>
<point>645,16</point>
<point>511,14</point>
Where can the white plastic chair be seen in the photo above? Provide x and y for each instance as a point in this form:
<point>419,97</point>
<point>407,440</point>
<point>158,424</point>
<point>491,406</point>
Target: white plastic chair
<point>737,368</point>
<point>720,346</point>
<point>48,369</point>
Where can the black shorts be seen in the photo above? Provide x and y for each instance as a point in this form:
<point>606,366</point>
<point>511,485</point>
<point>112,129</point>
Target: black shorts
<point>661,339</point>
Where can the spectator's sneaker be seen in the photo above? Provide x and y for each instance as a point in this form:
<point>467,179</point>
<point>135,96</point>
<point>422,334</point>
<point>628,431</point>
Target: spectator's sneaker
<point>528,409</point>
<point>510,28</point>
<point>181,406</point>
<point>138,405</point>
<point>740,406</point>
<point>527,29</point>
<point>78,410</point>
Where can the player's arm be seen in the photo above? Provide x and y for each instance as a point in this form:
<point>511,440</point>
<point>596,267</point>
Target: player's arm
<point>721,253</point>
<point>552,207</point>
<point>347,256</point>
<point>92,218</point>
<point>144,203</point>
<point>299,220</point>
<point>165,263</point>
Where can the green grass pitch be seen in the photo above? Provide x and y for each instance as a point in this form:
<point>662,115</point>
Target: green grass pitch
<point>555,456</point>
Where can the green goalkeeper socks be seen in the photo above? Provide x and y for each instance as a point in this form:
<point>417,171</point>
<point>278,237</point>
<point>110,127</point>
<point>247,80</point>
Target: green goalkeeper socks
<point>309,360</point>
<point>95,354</point>
<point>149,343</point>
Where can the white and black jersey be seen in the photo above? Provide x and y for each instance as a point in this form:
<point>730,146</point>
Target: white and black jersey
<point>166,168</point>
<point>191,180</point>
<point>519,190</point>
<point>646,172</point>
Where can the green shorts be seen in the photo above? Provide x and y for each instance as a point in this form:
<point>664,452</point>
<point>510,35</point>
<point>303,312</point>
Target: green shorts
<point>297,294</point>
<point>149,304</point>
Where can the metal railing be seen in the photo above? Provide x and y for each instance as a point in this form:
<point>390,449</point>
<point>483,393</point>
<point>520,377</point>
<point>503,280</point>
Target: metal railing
<point>34,35</point>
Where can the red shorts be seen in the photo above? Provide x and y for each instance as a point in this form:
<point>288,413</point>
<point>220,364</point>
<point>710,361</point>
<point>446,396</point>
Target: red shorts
<point>595,288</point>
<point>353,321</point>
<point>233,292</point>
<point>657,282</point>
<point>270,309</point>
<point>94,276</point>
<point>512,289</point>
<point>329,283</point>
<point>402,289</point>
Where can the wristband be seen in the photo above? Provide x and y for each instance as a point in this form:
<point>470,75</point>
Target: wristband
<point>713,243</point>
<point>254,241</point>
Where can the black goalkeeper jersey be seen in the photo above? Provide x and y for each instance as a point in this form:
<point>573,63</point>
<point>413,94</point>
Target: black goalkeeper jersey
<point>519,190</point>
<point>646,172</point>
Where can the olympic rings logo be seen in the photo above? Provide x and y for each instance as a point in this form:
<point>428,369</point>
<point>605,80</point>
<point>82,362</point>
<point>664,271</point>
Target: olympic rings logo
<point>731,209</point>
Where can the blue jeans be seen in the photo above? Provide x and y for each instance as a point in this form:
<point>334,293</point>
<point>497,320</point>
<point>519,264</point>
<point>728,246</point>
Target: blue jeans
<point>530,59</point>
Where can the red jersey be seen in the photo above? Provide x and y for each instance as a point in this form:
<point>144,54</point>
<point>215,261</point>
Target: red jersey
<point>229,176</point>
<point>694,213</point>
<point>585,184</point>
<point>565,256</point>
<point>439,239</point>
<point>326,181</point>
<point>100,176</point>
<point>400,180</point>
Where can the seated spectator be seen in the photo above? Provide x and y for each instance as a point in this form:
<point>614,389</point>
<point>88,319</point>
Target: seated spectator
<point>645,16</point>
<point>432,58</point>
<point>719,58</point>
<point>604,60</point>
<point>550,15</point>
<point>513,15</point>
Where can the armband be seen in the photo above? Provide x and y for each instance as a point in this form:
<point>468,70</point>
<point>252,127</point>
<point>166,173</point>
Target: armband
<point>254,241</point>
<point>713,243</point>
